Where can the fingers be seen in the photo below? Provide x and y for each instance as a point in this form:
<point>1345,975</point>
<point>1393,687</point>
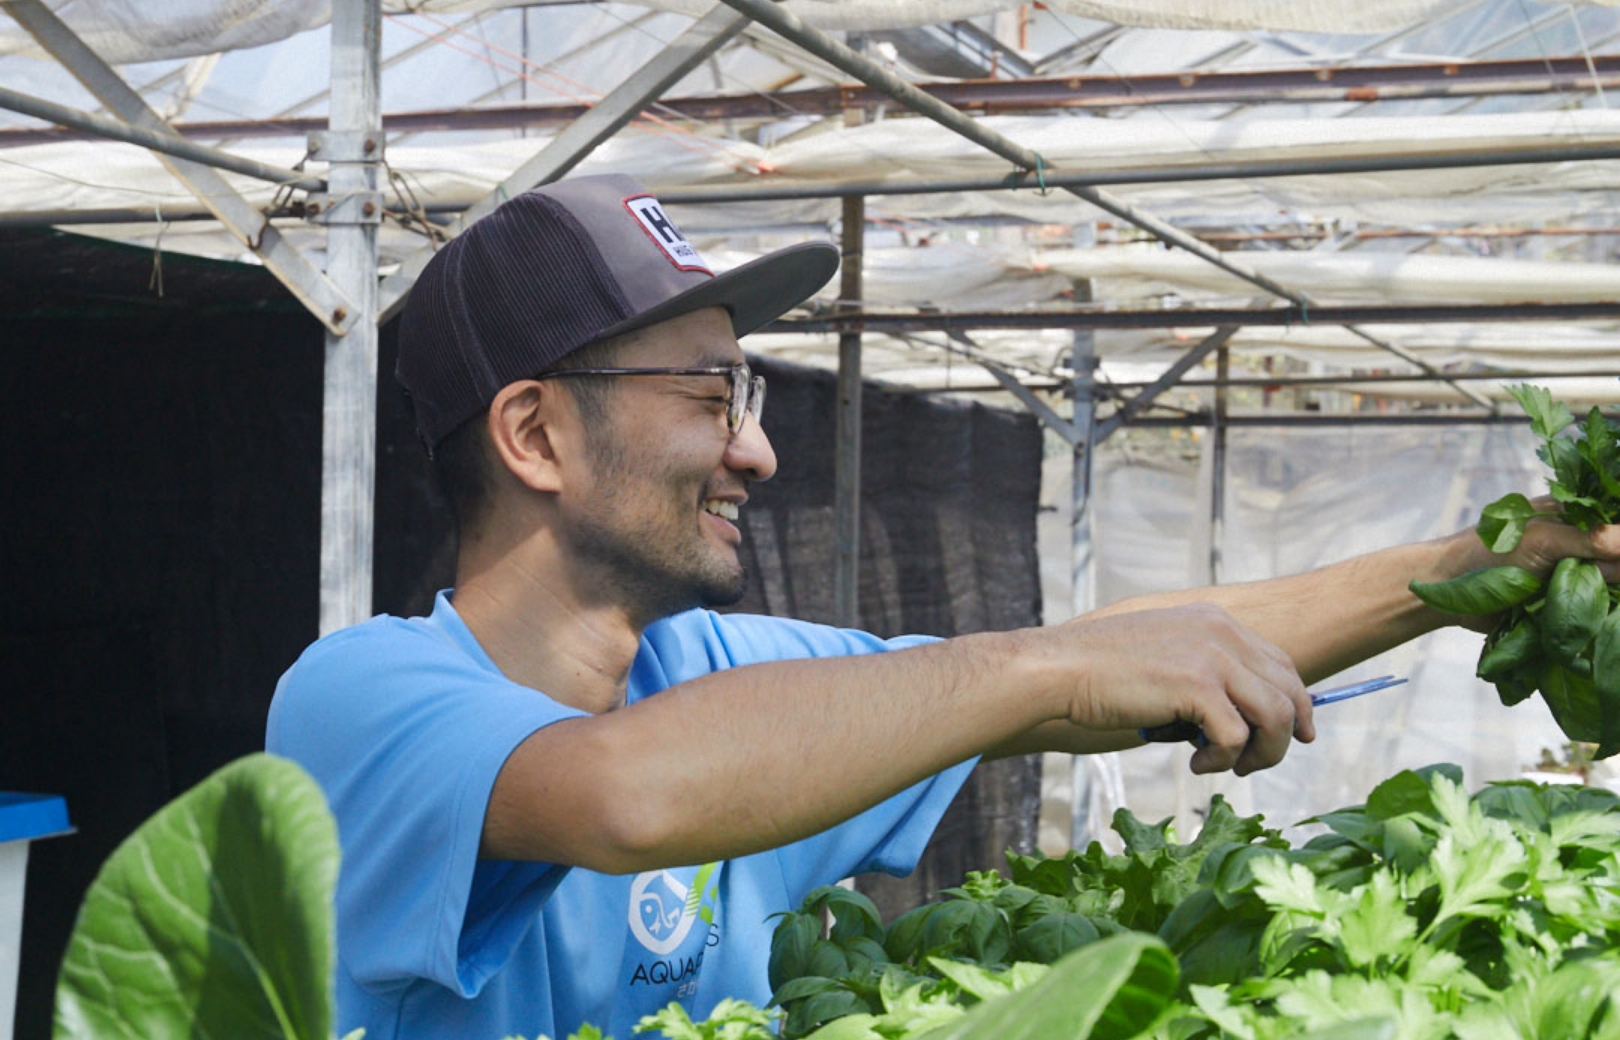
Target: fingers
<point>1195,663</point>
<point>1551,541</point>
<point>1261,710</point>
<point>1601,544</point>
<point>1254,708</point>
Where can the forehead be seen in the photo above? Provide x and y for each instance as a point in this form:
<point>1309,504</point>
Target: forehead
<point>699,339</point>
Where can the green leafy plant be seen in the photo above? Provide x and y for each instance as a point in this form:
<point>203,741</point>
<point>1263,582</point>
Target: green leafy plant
<point>213,919</point>
<point>1422,913</point>
<point>1562,640</point>
<point>730,1020</point>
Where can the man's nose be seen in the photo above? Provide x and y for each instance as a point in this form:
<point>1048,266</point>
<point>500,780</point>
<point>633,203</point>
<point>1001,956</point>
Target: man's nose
<point>750,451</point>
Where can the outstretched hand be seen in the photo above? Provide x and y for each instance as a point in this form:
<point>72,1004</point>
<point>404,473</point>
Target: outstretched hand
<point>1550,540</point>
<point>1194,663</point>
<point>1547,539</point>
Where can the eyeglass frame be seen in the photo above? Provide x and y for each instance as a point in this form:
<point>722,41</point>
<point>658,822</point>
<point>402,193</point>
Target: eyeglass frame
<point>745,397</point>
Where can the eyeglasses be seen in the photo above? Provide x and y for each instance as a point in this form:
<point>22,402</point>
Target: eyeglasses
<point>745,397</point>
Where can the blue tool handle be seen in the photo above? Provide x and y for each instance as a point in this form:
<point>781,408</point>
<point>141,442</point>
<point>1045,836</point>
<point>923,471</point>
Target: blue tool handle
<point>1180,730</point>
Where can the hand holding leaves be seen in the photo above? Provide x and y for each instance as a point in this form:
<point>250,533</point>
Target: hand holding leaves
<point>1564,640</point>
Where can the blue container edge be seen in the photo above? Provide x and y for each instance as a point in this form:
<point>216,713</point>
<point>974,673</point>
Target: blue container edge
<point>25,817</point>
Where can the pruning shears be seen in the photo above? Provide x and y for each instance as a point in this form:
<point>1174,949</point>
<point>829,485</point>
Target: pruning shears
<point>1180,730</point>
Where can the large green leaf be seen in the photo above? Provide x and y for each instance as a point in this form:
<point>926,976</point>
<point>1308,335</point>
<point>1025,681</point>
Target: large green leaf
<point>1502,523</point>
<point>212,920</point>
<point>1110,989</point>
<point>1488,590</point>
<point>1509,649</point>
<point>1574,703</point>
<point>1577,602</point>
<point>1606,682</point>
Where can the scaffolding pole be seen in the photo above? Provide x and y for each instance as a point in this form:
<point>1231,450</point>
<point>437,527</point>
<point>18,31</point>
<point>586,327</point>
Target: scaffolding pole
<point>353,147</point>
<point>166,141</point>
<point>847,442</point>
<point>879,78</point>
<point>581,137</point>
<point>1082,576</point>
<point>253,229</point>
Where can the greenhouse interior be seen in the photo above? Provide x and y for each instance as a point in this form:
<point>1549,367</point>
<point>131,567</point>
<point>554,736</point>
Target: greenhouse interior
<point>1133,297</point>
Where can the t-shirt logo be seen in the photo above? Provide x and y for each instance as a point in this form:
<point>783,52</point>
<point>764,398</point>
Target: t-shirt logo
<point>662,909</point>
<point>663,231</point>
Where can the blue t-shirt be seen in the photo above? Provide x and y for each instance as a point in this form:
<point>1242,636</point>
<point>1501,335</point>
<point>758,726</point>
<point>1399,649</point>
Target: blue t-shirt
<point>406,722</point>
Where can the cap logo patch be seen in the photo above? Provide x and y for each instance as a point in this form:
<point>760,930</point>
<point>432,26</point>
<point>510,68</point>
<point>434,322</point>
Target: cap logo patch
<point>656,223</point>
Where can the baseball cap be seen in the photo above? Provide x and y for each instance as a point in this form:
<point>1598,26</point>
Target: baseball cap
<point>556,268</point>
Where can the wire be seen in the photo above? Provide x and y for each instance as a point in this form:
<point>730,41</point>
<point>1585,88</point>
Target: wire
<point>1591,66</point>
<point>588,96</point>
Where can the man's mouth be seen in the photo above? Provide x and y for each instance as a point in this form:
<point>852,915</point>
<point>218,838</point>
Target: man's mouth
<point>724,510</point>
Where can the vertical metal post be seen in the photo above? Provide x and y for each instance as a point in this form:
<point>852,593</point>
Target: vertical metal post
<point>1082,579</point>
<point>353,147</point>
<point>847,444</point>
<point>1083,388</point>
<point>1217,477</point>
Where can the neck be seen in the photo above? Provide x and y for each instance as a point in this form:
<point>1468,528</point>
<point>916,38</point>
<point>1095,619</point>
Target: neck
<point>523,608</point>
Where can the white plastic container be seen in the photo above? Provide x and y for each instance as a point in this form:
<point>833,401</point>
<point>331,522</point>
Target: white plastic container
<point>24,818</point>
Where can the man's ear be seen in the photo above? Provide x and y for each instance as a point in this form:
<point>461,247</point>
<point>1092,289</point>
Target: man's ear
<point>532,428</point>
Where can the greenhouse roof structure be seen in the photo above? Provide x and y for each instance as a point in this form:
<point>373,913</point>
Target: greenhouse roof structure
<point>1405,203</point>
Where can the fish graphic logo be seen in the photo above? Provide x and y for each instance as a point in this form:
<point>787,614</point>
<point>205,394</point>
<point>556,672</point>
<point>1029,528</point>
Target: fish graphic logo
<point>663,907</point>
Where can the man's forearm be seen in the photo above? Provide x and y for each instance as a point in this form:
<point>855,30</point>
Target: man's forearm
<point>755,757</point>
<point>1331,618</point>
<point>752,758</point>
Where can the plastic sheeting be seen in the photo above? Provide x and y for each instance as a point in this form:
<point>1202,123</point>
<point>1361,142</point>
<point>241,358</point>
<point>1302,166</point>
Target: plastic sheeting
<point>87,175</point>
<point>932,361</point>
<point>129,31</point>
<point>1124,272</point>
<point>1298,499</point>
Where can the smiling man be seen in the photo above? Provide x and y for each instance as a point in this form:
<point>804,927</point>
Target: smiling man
<point>573,793</point>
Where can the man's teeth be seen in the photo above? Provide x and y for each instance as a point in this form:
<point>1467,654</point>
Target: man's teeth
<point>725,510</point>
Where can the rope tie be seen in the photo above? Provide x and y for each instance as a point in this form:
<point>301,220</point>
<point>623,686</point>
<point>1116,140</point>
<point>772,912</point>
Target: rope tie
<point>155,282</point>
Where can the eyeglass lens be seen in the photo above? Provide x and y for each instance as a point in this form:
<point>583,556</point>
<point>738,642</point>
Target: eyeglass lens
<point>747,397</point>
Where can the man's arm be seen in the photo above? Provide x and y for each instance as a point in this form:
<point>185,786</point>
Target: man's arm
<point>1329,619</point>
<point>755,757</point>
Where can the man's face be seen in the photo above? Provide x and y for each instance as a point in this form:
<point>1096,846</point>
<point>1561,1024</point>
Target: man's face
<point>655,523</point>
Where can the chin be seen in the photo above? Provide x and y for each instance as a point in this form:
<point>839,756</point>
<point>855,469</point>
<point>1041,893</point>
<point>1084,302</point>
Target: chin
<point>724,592</point>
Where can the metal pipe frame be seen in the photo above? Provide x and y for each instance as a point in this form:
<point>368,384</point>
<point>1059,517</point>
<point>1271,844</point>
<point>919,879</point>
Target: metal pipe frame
<point>1172,375</point>
<point>1013,384</point>
<point>156,140</point>
<point>874,75</point>
<point>353,148</point>
<point>1028,180</point>
<point>308,284</point>
<point>987,97</point>
<point>1017,180</point>
<point>1309,382</point>
<point>1449,418</point>
<point>847,429</point>
<point>565,150</point>
<point>1205,317</point>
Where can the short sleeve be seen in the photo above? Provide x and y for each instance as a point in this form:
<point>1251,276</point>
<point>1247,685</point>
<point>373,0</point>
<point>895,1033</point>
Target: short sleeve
<point>406,732</point>
<point>890,836</point>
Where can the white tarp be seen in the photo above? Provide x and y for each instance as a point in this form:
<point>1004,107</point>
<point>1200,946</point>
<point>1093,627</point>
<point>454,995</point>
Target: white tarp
<point>125,31</point>
<point>1297,499</point>
<point>1134,271</point>
<point>96,174</point>
<point>931,361</point>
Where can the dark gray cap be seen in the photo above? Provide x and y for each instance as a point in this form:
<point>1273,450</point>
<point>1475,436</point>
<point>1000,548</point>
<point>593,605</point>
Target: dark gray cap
<point>559,267</point>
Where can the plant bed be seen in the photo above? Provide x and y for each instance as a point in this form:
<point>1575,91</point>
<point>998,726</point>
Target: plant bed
<point>1422,913</point>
